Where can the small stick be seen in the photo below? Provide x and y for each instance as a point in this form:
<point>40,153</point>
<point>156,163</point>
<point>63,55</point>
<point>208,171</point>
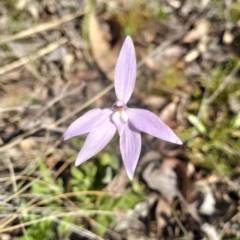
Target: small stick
<point>42,27</point>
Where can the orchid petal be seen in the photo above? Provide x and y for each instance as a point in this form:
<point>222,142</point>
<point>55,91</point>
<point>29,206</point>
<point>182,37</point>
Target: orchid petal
<point>119,121</point>
<point>125,71</point>
<point>88,122</point>
<point>148,122</point>
<point>96,141</point>
<point>130,146</point>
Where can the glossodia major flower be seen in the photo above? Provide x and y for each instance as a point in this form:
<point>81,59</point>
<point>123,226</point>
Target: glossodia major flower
<point>102,123</point>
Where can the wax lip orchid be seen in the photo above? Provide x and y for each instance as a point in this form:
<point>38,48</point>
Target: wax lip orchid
<point>102,123</point>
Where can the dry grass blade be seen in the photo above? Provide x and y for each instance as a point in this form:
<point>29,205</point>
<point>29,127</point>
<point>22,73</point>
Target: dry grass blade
<point>42,27</point>
<point>24,60</point>
<point>80,231</point>
<point>19,108</point>
<point>45,201</point>
<point>63,214</point>
<point>14,184</point>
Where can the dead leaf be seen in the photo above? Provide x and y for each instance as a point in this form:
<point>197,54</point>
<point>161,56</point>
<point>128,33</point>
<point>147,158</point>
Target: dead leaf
<point>155,101</point>
<point>166,57</point>
<point>227,37</point>
<point>118,183</point>
<point>234,103</point>
<point>168,178</point>
<point>210,232</point>
<point>105,48</point>
<point>202,46</point>
<point>200,29</point>
<point>169,112</point>
<point>28,144</point>
<point>141,210</point>
<point>171,180</point>
<point>208,205</point>
<point>180,170</point>
<point>191,55</point>
<point>68,61</point>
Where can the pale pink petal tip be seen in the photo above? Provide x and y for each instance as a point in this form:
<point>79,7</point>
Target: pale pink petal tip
<point>125,71</point>
<point>130,146</point>
<point>148,122</point>
<point>96,141</point>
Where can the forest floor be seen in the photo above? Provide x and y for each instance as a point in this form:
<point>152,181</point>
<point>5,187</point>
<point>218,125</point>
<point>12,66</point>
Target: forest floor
<point>57,60</point>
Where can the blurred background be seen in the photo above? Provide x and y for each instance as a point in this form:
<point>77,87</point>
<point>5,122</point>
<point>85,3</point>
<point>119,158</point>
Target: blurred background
<point>57,59</point>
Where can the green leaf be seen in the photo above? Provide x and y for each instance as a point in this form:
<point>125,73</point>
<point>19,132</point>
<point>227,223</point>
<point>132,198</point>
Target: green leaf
<point>196,122</point>
<point>77,174</point>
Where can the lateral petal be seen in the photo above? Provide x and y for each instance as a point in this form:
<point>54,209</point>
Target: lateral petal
<point>148,122</point>
<point>130,146</point>
<point>116,118</point>
<point>125,71</point>
<point>96,141</point>
<point>88,122</point>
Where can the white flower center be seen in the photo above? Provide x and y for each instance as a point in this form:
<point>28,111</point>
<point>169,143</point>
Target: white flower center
<point>124,116</point>
<point>119,112</point>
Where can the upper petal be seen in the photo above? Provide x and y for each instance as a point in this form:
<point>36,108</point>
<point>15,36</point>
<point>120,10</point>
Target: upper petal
<point>125,71</point>
<point>130,146</point>
<point>148,122</point>
<point>96,141</point>
<point>88,122</point>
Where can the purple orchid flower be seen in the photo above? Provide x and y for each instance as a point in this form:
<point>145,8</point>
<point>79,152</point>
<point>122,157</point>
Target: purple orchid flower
<point>102,123</point>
